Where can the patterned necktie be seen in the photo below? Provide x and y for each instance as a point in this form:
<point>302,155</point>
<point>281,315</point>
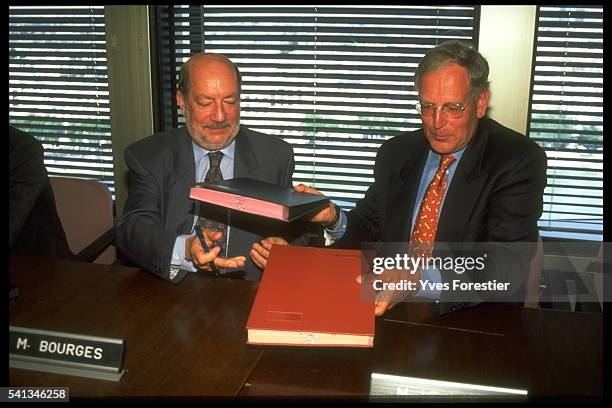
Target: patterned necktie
<point>426,223</point>
<point>214,176</point>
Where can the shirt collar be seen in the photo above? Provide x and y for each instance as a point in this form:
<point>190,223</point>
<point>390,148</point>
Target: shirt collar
<point>200,152</point>
<point>457,155</point>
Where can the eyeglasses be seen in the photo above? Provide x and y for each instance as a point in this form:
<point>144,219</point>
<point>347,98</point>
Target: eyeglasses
<point>450,110</point>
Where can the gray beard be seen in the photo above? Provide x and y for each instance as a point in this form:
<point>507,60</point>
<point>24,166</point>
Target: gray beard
<point>209,146</point>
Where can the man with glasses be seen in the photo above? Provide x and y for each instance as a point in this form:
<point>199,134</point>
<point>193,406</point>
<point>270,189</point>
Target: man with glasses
<point>462,177</point>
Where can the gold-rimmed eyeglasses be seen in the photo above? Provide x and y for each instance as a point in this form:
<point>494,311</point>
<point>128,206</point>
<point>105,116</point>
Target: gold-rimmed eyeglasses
<point>451,110</point>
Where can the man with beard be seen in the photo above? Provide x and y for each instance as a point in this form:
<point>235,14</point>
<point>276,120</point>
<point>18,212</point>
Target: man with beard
<point>156,230</point>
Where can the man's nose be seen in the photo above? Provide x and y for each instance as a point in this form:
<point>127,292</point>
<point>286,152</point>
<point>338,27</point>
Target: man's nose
<point>439,119</point>
<point>219,114</point>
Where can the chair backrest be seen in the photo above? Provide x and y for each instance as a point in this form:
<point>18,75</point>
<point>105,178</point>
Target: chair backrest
<point>85,208</point>
<point>598,277</point>
<point>534,275</point>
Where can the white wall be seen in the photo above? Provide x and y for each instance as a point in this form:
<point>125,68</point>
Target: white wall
<point>506,41</point>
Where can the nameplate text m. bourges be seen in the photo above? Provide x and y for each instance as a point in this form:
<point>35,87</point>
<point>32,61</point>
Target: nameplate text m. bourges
<point>66,353</point>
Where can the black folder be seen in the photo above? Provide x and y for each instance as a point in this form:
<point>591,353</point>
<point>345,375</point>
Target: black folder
<point>259,197</point>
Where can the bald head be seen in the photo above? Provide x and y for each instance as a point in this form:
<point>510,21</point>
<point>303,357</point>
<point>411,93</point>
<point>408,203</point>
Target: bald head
<point>209,96</point>
<point>205,62</point>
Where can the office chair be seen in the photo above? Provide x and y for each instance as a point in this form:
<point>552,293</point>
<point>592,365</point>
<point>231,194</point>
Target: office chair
<point>85,208</point>
<point>598,277</point>
<point>571,280</point>
<point>534,276</point>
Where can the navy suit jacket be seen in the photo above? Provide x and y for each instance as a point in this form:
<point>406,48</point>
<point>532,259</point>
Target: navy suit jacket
<point>34,225</point>
<point>158,207</point>
<point>496,195</point>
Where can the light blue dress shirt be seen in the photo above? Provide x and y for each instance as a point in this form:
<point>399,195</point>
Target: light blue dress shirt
<point>202,163</point>
<point>429,171</point>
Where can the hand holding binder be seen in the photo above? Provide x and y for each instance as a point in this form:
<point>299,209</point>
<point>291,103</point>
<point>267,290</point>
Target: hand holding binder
<point>329,215</point>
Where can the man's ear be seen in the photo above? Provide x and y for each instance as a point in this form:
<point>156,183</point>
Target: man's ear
<point>180,101</point>
<point>483,103</point>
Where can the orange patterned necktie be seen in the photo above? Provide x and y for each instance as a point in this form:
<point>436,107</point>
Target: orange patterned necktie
<point>426,223</point>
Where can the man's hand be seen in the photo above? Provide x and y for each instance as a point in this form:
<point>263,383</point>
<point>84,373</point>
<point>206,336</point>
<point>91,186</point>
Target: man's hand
<point>387,298</point>
<point>326,215</point>
<point>260,251</point>
<point>200,258</point>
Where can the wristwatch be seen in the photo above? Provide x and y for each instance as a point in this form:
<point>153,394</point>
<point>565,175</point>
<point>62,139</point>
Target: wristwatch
<point>334,223</point>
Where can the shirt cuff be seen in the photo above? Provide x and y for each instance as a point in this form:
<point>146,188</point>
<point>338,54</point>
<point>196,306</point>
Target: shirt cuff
<point>429,291</point>
<point>337,233</point>
<point>178,255</point>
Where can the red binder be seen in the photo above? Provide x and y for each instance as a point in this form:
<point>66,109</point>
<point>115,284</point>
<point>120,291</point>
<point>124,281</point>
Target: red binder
<point>309,297</point>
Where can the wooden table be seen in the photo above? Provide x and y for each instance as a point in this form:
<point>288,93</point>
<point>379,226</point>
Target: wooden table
<point>548,353</point>
<point>185,339</point>
<point>189,340</point>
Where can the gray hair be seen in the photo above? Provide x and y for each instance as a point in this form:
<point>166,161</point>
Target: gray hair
<point>184,83</point>
<point>460,53</point>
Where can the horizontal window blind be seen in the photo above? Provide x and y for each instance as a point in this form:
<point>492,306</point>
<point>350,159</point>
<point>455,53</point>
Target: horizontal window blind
<point>333,81</point>
<point>566,119</point>
<point>178,35</point>
<point>58,87</point>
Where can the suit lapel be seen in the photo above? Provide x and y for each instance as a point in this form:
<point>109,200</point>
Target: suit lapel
<point>403,188</point>
<point>245,162</point>
<point>464,190</point>
<point>181,178</point>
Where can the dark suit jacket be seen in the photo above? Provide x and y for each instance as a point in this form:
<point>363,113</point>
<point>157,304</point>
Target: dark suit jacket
<point>158,207</point>
<point>34,226</point>
<point>495,195</point>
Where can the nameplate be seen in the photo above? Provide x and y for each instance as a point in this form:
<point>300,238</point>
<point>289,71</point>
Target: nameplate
<point>66,353</point>
<point>426,389</point>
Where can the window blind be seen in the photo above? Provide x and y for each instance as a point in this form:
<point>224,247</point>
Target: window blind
<point>566,119</point>
<point>58,87</point>
<point>333,81</point>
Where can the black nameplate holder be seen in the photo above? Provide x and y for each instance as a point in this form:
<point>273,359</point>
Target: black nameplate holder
<point>66,353</point>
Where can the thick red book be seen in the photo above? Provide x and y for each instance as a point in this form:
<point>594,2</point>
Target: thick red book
<point>309,297</point>
<point>258,197</point>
